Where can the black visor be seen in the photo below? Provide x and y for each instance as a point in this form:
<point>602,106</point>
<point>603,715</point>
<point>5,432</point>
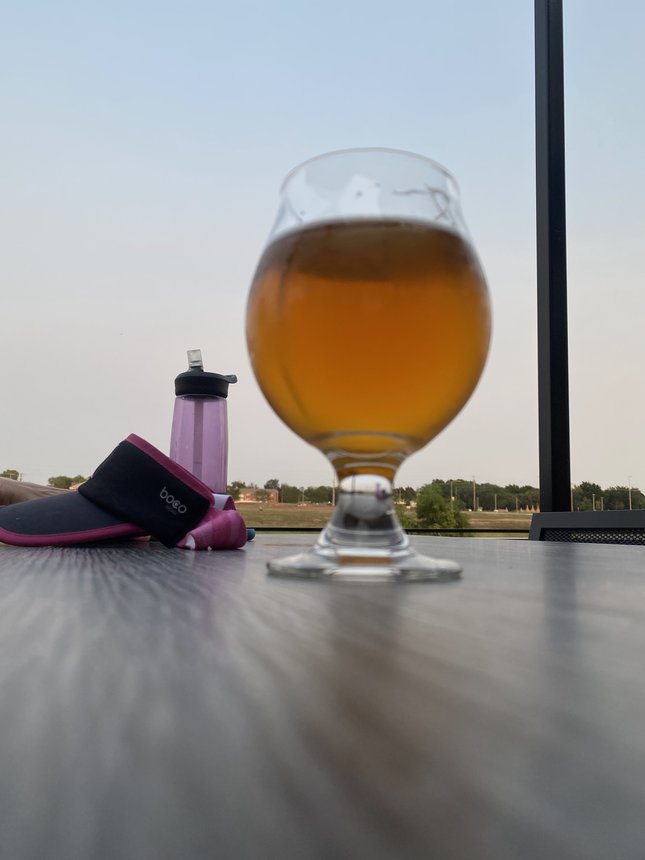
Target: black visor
<point>137,490</point>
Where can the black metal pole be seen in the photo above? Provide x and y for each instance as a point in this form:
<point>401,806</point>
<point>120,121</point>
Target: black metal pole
<point>553,353</point>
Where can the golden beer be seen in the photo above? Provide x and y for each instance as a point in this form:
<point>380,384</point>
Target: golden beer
<point>367,336</point>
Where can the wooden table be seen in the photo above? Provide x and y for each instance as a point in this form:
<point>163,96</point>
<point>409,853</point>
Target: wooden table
<point>162,704</point>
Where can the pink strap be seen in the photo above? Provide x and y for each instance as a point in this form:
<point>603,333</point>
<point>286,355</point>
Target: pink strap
<point>220,528</point>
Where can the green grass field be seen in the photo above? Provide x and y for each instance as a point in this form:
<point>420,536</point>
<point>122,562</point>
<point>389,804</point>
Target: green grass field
<point>316,516</point>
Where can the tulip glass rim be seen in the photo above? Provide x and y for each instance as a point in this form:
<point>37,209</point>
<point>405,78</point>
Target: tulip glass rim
<point>385,150</point>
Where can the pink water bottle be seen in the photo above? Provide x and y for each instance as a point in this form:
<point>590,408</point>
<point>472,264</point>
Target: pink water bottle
<point>199,437</point>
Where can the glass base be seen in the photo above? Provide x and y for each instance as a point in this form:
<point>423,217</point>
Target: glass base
<point>364,542</point>
<point>412,567</point>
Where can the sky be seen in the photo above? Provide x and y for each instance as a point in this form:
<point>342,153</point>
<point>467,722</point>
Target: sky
<point>142,148</point>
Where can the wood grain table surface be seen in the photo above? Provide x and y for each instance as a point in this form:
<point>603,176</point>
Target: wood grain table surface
<point>160,703</point>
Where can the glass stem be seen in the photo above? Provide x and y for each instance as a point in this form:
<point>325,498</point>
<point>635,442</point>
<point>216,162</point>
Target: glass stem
<point>364,518</point>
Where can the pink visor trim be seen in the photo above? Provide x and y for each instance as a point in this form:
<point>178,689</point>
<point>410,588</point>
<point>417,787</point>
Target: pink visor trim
<point>123,530</point>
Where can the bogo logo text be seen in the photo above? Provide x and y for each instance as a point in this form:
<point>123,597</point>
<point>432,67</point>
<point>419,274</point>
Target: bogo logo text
<point>173,504</point>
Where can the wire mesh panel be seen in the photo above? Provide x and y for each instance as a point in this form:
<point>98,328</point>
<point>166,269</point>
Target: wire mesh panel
<point>628,536</point>
<point>626,527</point>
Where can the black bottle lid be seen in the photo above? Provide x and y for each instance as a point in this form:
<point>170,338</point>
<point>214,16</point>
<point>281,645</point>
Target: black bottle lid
<point>196,382</point>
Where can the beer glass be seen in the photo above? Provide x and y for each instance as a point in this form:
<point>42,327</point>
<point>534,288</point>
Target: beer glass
<point>367,326</point>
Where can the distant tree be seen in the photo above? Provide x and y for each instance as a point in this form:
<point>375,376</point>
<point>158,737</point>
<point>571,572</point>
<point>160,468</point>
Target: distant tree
<point>511,497</point>
<point>262,495</point>
<point>433,511</point>
<point>505,500</point>
<point>406,517</point>
<point>289,495</point>
<point>318,495</point>
<point>617,498</point>
<point>443,488</point>
<point>406,494</point>
<point>234,488</point>
<point>63,482</point>
<point>486,494</point>
<point>583,496</point>
<point>12,474</point>
<point>272,484</point>
<point>529,496</point>
<point>638,499</point>
<point>462,490</point>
